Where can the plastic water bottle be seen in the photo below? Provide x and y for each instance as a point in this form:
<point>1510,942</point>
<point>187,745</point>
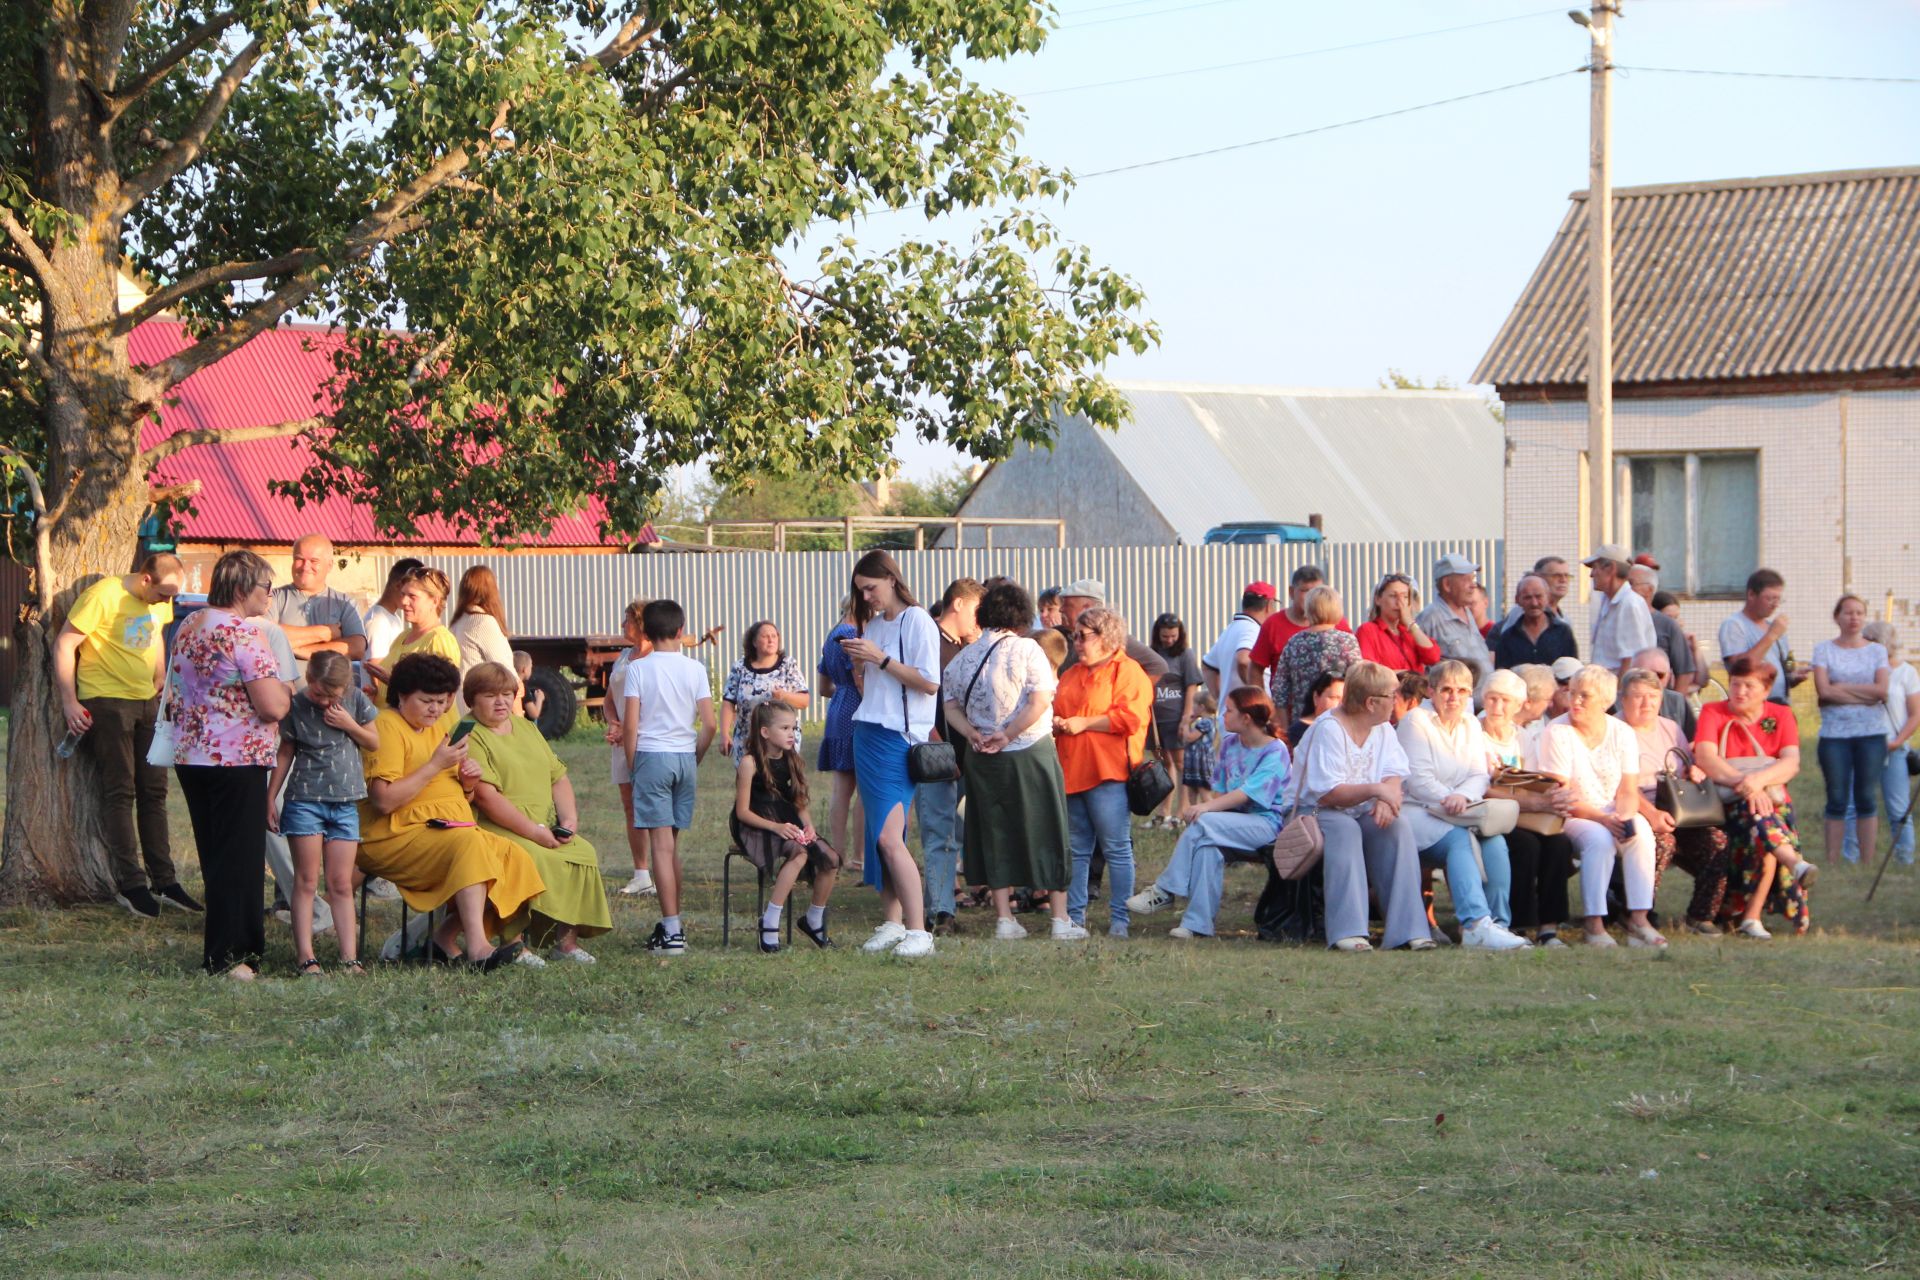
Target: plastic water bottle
<point>193,583</point>
<point>69,744</point>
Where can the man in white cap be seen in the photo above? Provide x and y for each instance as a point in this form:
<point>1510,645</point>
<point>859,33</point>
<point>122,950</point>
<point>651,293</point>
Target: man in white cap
<point>1449,619</point>
<point>1623,621</point>
<point>1081,595</point>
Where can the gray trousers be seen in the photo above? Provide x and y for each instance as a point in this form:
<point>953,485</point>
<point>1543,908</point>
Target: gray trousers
<point>1358,851</point>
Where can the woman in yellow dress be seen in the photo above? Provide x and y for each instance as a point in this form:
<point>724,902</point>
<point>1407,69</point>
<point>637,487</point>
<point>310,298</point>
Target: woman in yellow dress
<point>423,595</point>
<point>417,827</point>
<point>522,793</point>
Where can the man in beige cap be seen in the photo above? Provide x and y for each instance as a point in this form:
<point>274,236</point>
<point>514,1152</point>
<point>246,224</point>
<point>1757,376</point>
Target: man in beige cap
<point>1622,620</point>
<point>1449,619</point>
<point>1081,595</point>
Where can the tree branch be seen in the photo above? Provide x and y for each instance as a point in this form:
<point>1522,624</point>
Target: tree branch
<point>633,33</point>
<point>29,350</point>
<point>180,440</point>
<point>122,98</point>
<point>225,273</point>
<point>183,151</point>
<point>38,264</point>
<point>43,579</point>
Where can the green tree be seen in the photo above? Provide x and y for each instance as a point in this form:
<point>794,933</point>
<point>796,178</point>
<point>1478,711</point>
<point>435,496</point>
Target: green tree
<point>558,236</point>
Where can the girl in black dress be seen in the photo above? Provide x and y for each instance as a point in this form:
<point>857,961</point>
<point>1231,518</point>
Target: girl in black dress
<point>771,824</point>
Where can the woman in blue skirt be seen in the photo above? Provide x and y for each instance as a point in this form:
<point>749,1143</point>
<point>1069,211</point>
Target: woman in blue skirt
<point>839,683</point>
<point>898,650</point>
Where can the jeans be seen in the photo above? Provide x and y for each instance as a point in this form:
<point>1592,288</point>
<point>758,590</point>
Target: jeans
<point>1471,900</point>
<point>941,835</point>
<point>1198,871</point>
<point>122,731</point>
<point>1898,793</point>
<point>1853,767</point>
<point>1100,817</point>
<point>279,856</point>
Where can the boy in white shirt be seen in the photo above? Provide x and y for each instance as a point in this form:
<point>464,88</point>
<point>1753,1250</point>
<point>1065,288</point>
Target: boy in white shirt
<point>664,692</point>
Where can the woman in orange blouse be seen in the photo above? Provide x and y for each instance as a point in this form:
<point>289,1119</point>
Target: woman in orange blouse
<point>1100,714</point>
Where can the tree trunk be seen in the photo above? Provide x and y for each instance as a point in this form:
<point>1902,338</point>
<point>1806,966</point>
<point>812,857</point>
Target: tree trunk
<point>53,851</point>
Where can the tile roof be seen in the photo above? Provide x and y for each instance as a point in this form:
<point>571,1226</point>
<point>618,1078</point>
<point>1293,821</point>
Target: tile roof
<point>280,376</point>
<point>1804,275</point>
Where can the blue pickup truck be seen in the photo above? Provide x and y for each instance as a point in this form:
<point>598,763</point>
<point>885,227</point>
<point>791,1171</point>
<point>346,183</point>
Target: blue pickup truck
<point>1262,533</point>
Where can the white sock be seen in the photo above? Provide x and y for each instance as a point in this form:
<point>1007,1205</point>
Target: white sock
<point>816,916</point>
<point>770,918</point>
<point>672,923</point>
<point>643,875</point>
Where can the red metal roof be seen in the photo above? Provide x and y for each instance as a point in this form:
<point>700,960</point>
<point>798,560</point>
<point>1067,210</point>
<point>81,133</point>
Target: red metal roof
<point>281,376</point>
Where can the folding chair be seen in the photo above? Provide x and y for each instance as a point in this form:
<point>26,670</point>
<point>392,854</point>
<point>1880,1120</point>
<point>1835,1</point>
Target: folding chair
<point>760,878</point>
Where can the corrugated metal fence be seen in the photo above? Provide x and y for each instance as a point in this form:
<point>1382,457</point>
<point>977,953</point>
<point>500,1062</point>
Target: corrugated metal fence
<point>801,591</point>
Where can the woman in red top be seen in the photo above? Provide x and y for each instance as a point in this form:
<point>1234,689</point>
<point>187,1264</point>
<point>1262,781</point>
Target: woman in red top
<point>1765,850</point>
<point>1390,636</point>
<point>1100,714</point>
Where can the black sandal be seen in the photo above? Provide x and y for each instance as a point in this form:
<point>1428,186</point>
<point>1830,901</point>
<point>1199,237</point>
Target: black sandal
<point>309,969</point>
<point>502,956</point>
<point>819,936</point>
<point>770,939</point>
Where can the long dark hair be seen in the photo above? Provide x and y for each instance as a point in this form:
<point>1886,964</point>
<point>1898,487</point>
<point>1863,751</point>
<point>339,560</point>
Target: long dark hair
<point>876,565</point>
<point>480,591</point>
<point>757,748</point>
<point>1179,645</point>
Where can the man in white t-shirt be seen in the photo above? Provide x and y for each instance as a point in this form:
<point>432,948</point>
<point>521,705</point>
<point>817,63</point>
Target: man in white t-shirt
<point>665,691</point>
<point>1228,665</point>
<point>1623,621</point>
<point>1759,631</point>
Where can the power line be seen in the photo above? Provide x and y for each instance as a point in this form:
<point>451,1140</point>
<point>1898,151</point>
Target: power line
<point>1155,13</point>
<point>1342,124</point>
<point>1284,57</point>
<point>1102,8</point>
<point>1775,75</point>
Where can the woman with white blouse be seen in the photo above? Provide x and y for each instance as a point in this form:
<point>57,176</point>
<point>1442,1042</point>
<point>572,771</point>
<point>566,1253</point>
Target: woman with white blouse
<point>1349,773</point>
<point>1447,773</point>
<point>1540,863</point>
<point>1903,720</point>
<point>1600,757</point>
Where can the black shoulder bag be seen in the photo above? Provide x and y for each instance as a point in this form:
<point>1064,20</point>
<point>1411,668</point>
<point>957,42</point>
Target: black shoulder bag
<point>935,760</point>
<point>1148,785</point>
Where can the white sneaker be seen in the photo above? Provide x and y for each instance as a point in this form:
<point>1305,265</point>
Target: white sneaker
<point>1485,934</point>
<point>1149,900</point>
<point>1007,929</point>
<point>1753,929</point>
<point>1065,930</point>
<point>530,959</point>
<point>1185,934</point>
<point>886,937</point>
<point>578,955</point>
<point>640,886</point>
<point>1804,874</point>
<point>915,943</point>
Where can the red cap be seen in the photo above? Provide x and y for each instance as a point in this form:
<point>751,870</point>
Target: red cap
<point>1647,559</point>
<point>1261,589</point>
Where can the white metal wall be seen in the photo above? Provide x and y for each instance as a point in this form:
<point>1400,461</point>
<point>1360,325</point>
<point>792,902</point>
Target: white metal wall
<point>800,591</point>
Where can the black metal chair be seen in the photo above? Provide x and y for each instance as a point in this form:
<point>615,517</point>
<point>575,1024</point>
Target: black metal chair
<point>761,876</point>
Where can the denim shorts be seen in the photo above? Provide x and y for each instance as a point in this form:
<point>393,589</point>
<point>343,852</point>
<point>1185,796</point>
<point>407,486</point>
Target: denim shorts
<point>331,819</point>
<point>663,789</point>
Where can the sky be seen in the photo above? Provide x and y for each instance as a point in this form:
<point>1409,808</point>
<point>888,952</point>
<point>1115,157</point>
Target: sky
<point>1323,261</point>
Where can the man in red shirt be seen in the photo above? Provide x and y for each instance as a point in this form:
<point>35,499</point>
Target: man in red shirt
<point>1283,624</point>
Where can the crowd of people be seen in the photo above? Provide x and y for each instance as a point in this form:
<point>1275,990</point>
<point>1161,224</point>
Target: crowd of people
<point>1028,735</point>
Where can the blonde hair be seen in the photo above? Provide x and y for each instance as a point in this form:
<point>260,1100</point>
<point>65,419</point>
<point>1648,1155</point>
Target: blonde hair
<point>1105,623</point>
<point>1539,680</point>
<point>1366,680</point>
<point>330,670</point>
<point>1322,606</point>
<point>488,678</point>
<point>1447,669</point>
<point>1507,683</point>
<point>1596,678</point>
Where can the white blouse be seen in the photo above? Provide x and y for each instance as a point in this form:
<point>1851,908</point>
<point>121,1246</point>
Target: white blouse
<point>1018,667</point>
<point>1441,762</point>
<point>1594,772</point>
<point>1328,758</point>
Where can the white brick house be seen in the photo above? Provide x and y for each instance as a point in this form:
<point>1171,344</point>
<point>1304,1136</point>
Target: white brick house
<point>1766,394</point>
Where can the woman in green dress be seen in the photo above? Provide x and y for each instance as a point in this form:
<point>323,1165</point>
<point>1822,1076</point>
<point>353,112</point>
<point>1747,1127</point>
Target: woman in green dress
<point>523,794</point>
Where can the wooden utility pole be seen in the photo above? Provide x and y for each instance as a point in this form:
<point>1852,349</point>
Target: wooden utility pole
<point>1600,480</point>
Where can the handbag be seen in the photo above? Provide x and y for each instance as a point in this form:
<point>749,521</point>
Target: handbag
<point>1148,785</point>
<point>1493,816</point>
<point>160,750</point>
<point>1300,846</point>
<point>1539,821</point>
<point>936,760</point>
<point>1743,764</point>
<point>1691,804</point>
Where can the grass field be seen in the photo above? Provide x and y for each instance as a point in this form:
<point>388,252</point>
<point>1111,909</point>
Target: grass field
<point>1143,1109</point>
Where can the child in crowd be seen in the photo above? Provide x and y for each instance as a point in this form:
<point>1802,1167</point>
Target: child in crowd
<point>532,701</point>
<point>1322,696</point>
<point>771,824</point>
<point>1054,645</point>
<point>1410,692</point>
<point>1196,765</point>
<point>326,727</point>
<point>664,692</point>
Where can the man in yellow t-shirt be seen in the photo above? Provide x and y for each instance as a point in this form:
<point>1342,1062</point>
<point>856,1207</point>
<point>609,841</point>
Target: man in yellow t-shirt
<point>108,664</point>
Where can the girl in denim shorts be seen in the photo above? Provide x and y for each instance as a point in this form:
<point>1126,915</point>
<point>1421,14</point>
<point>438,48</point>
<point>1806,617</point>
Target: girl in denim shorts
<point>327,726</point>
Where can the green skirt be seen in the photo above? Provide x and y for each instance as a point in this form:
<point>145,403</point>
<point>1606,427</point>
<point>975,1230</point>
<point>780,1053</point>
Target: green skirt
<point>1017,819</point>
<point>575,893</point>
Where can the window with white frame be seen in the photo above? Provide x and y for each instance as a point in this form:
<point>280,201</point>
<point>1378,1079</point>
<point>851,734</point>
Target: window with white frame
<point>1698,514</point>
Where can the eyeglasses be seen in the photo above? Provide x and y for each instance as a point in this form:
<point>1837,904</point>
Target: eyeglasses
<point>1086,635</point>
<point>263,584</point>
